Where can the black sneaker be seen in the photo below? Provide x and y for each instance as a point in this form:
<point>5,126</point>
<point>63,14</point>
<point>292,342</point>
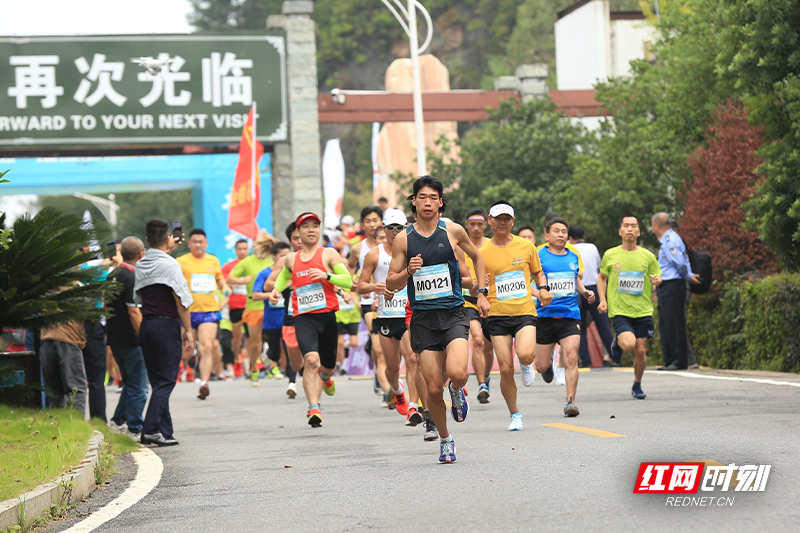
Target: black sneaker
<point>431,434</point>
<point>547,375</point>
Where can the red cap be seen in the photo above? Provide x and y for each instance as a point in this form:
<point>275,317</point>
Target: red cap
<point>307,216</point>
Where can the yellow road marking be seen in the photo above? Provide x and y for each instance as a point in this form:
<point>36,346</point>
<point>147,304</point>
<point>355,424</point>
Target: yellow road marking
<point>590,431</point>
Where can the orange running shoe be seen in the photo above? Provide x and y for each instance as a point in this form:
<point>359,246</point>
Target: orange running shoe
<point>400,401</point>
<point>314,417</point>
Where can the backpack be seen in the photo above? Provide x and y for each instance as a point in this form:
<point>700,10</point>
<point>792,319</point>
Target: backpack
<point>701,265</point>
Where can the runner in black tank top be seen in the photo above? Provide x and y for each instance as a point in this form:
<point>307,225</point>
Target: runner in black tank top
<point>424,257</point>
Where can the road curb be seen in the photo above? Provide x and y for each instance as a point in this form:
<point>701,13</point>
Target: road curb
<point>38,500</point>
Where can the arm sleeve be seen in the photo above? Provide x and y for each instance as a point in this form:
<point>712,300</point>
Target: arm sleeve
<point>342,277</point>
<point>283,279</point>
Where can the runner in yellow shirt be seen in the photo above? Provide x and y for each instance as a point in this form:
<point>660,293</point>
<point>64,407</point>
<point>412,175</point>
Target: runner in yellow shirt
<point>204,276</point>
<point>511,261</point>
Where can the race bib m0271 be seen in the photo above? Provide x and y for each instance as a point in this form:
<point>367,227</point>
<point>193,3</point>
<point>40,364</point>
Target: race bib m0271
<point>562,284</point>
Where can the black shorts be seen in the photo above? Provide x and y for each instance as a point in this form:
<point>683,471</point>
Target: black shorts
<point>473,314</point>
<point>236,315</point>
<point>393,328</point>
<point>434,329</point>
<point>642,327</point>
<point>347,329</point>
<point>508,325</point>
<point>316,332</point>
<point>552,330</point>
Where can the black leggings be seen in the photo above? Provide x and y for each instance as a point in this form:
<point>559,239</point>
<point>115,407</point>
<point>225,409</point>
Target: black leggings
<point>273,339</point>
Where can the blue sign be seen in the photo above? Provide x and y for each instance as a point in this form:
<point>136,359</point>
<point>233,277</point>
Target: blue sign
<point>209,178</point>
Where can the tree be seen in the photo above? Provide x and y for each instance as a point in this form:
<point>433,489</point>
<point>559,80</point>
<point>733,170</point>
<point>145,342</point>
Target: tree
<point>724,179</point>
<point>638,162</point>
<point>40,280</point>
<point>520,155</point>
<point>760,52</point>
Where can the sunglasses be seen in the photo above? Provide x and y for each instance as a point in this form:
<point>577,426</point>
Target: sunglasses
<point>395,227</point>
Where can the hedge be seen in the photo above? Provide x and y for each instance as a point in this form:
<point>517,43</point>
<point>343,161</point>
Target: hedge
<point>749,325</point>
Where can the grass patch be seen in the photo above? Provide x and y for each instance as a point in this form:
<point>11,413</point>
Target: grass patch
<point>113,445</point>
<point>37,446</point>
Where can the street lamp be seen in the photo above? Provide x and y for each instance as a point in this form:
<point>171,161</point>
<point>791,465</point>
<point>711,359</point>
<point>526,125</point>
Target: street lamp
<point>108,208</point>
<point>410,28</point>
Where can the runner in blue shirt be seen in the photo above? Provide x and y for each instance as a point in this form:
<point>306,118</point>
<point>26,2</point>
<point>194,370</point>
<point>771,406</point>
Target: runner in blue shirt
<point>560,321</point>
<point>273,314</point>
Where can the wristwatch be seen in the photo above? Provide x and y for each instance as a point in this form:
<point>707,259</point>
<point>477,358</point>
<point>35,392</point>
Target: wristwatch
<point>546,287</point>
<point>484,291</point>
<point>329,275</point>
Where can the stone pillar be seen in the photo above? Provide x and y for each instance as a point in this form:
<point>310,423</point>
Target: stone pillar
<point>297,176</point>
<point>532,81</point>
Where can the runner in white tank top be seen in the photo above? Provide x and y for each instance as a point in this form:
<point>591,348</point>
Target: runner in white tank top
<point>390,322</point>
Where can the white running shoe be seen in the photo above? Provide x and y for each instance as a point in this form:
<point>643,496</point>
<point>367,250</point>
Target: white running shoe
<point>560,376</point>
<point>528,375</point>
<point>516,422</point>
<point>291,390</point>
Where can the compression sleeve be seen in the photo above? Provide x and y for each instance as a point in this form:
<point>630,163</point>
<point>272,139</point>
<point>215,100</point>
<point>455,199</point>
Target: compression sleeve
<point>284,278</point>
<point>342,277</point>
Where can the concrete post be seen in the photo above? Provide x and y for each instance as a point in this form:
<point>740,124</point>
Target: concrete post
<point>297,176</point>
<point>532,81</point>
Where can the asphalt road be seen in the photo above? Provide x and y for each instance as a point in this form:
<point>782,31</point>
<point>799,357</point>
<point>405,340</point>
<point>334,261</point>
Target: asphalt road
<point>247,460</point>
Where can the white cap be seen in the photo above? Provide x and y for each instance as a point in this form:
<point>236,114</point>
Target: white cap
<point>501,209</point>
<point>347,219</point>
<point>394,216</point>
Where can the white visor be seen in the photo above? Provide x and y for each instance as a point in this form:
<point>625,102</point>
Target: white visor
<point>501,209</point>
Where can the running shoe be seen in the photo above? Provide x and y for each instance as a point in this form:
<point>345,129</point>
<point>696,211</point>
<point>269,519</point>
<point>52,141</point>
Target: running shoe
<point>447,451</point>
<point>414,417</point>
<point>460,407</point>
<point>483,393</point>
<point>315,417</point>
<point>254,379</point>
<point>431,433</point>
<point>328,387</point>
<point>388,397</point>
<point>276,372</point>
<point>516,422</point>
<point>637,391</point>
<point>204,392</point>
<point>400,402</point>
<point>547,375</point>
<point>291,391</point>
<point>561,378</point>
<point>528,375</point>
<point>571,410</point>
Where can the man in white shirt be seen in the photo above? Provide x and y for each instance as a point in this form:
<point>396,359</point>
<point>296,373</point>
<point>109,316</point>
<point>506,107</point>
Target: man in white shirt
<point>591,262</point>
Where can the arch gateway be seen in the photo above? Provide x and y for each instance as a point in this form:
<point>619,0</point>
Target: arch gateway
<point>78,115</point>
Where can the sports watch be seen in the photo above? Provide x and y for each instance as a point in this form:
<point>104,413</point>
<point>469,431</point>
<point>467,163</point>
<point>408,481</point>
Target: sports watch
<point>484,291</point>
<point>546,287</point>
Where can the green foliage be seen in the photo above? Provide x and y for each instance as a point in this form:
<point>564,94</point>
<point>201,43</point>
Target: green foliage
<point>754,325</point>
<point>3,173</point>
<point>521,155</point>
<point>40,275</point>
<point>760,51</point>
<point>638,161</point>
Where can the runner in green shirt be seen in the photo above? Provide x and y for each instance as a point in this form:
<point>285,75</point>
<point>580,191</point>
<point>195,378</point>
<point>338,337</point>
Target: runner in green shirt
<point>245,273</point>
<point>628,274</point>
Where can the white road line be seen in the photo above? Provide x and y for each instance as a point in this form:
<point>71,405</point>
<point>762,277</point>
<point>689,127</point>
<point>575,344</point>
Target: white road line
<point>149,474</point>
<point>725,378</point>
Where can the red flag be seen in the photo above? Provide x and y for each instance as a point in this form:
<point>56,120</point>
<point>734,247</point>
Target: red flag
<point>246,192</point>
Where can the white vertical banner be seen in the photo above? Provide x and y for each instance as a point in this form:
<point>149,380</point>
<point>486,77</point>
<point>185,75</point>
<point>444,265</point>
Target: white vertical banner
<point>333,182</point>
<point>376,129</point>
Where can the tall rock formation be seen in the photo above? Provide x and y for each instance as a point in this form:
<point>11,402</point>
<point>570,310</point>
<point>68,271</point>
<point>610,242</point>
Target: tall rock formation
<point>397,141</point>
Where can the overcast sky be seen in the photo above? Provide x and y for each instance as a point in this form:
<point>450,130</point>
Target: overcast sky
<point>87,17</point>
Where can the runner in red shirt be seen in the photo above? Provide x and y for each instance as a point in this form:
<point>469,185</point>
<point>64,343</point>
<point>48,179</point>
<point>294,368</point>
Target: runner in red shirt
<point>316,274</point>
<point>236,304</point>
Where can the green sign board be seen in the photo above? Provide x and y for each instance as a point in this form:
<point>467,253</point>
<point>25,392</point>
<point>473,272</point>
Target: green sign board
<point>79,90</point>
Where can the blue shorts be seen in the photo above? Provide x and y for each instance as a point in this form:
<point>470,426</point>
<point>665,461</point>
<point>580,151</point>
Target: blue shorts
<point>202,318</point>
<point>642,327</point>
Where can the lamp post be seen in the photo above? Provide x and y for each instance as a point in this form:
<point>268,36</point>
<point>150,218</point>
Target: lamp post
<point>410,14</point>
<point>108,208</point>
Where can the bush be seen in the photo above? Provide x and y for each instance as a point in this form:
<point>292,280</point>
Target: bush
<point>754,325</point>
